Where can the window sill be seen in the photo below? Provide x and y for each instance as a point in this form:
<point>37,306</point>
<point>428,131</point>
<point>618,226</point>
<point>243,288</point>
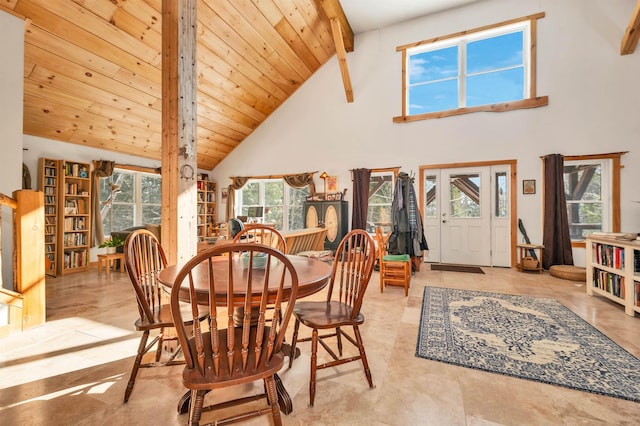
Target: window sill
<point>507,106</point>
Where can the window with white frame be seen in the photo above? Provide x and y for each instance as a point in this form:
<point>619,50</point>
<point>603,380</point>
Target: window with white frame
<point>130,198</point>
<point>380,199</point>
<point>281,204</point>
<point>587,187</point>
<point>486,69</point>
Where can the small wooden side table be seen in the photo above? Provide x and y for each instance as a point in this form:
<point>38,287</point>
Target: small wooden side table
<point>522,254</point>
<point>109,261</point>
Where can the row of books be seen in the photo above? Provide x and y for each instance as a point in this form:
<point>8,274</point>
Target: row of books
<point>75,224</point>
<point>75,239</point>
<point>75,258</point>
<point>611,283</point>
<point>72,188</point>
<point>76,170</point>
<point>49,185</point>
<point>50,210</point>
<point>637,284</point>
<point>608,255</point>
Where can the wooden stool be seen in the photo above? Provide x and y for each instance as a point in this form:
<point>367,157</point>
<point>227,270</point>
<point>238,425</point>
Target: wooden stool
<point>522,257</point>
<point>109,262</point>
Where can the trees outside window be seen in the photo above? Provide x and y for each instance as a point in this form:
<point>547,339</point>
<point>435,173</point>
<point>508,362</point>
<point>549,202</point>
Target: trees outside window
<point>130,198</point>
<point>282,204</point>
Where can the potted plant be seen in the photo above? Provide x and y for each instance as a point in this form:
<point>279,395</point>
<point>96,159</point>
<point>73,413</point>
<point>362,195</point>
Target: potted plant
<point>112,244</point>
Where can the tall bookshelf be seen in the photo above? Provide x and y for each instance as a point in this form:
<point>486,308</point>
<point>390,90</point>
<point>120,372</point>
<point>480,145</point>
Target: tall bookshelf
<point>206,210</point>
<point>74,217</point>
<point>48,180</point>
<point>613,270</point>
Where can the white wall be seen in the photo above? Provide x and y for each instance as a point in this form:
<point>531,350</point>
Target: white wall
<point>11,71</point>
<point>592,89</point>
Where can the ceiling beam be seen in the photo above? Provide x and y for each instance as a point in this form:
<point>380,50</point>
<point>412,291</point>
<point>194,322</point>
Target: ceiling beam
<point>631,35</point>
<point>342,59</point>
<point>333,10</point>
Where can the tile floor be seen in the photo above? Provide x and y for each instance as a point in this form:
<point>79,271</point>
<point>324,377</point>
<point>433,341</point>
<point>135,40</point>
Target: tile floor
<point>74,369</point>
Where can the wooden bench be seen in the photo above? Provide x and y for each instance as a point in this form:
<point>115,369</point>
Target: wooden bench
<point>307,239</point>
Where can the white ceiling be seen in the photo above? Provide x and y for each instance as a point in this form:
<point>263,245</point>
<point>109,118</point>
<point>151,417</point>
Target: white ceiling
<point>365,15</point>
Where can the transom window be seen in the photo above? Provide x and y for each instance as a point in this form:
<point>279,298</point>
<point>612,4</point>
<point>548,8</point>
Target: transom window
<point>486,69</point>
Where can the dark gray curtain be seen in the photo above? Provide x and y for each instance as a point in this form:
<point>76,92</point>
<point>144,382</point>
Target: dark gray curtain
<point>556,238</point>
<point>361,180</point>
<point>101,169</point>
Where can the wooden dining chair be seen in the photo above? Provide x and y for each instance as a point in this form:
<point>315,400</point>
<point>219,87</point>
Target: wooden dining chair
<point>262,234</point>
<point>227,352</point>
<point>352,268</point>
<point>395,269</point>
<point>144,259</point>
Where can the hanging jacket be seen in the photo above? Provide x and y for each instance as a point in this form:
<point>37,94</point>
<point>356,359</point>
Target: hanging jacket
<point>407,236</point>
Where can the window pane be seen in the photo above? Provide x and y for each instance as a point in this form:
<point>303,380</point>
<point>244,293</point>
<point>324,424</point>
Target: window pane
<point>151,214</point>
<point>433,65</point>
<point>127,185</point>
<point>502,195</point>
<point>380,199</point>
<point>584,218</point>
<point>151,187</point>
<point>583,193</point>
<point>465,196</point>
<point>274,192</point>
<point>432,97</point>
<point>430,196</point>
<point>250,195</point>
<point>495,87</point>
<point>297,196</point>
<point>122,216</point>
<point>495,53</point>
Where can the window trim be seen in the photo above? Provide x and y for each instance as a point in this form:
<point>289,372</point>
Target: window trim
<point>614,175</point>
<point>534,101</point>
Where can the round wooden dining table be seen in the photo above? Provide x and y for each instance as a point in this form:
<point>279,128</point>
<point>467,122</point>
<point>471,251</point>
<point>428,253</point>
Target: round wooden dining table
<point>313,276</point>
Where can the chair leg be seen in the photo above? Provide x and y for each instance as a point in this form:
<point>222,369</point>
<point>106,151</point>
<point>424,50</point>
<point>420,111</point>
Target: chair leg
<point>195,409</point>
<point>339,340</point>
<point>314,361</point>
<point>381,278</point>
<point>294,340</point>
<point>136,365</point>
<point>363,355</point>
<point>272,397</point>
<point>159,348</point>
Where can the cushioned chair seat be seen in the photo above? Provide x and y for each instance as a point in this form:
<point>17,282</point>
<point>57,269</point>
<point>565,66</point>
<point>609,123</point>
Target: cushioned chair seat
<point>396,257</point>
<point>569,272</point>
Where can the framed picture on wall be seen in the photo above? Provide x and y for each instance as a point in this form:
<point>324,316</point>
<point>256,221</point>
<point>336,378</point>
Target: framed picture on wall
<point>332,184</point>
<point>529,186</point>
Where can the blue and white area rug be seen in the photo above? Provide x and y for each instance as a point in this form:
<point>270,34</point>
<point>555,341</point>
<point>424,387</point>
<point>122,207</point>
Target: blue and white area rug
<point>527,337</point>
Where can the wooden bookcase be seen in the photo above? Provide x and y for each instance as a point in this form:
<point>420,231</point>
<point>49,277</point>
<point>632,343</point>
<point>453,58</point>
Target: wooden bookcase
<point>74,217</point>
<point>206,209</point>
<point>613,271</point>
<point>48,183</point>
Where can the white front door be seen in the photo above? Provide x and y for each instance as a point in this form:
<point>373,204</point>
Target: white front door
<point>467,215</point>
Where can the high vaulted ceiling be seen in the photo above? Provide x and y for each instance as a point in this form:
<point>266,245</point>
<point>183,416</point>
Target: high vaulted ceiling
<point>92,71</point>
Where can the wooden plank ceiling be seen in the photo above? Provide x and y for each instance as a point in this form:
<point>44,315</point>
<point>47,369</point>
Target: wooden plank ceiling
<point>92,72</point>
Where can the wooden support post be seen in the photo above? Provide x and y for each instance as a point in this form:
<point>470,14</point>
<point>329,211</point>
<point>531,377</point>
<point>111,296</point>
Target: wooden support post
<point>29,246</point>
<point>179,128</point>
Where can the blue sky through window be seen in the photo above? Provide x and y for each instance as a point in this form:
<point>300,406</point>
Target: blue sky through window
<point>483,71</point>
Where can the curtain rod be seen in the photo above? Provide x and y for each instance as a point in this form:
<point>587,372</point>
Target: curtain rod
<point>609,154</point>
<point>273,176</point>
<point>380,168</point>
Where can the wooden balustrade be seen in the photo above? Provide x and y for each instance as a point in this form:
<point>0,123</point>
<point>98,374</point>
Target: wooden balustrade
<point>26,302</point>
